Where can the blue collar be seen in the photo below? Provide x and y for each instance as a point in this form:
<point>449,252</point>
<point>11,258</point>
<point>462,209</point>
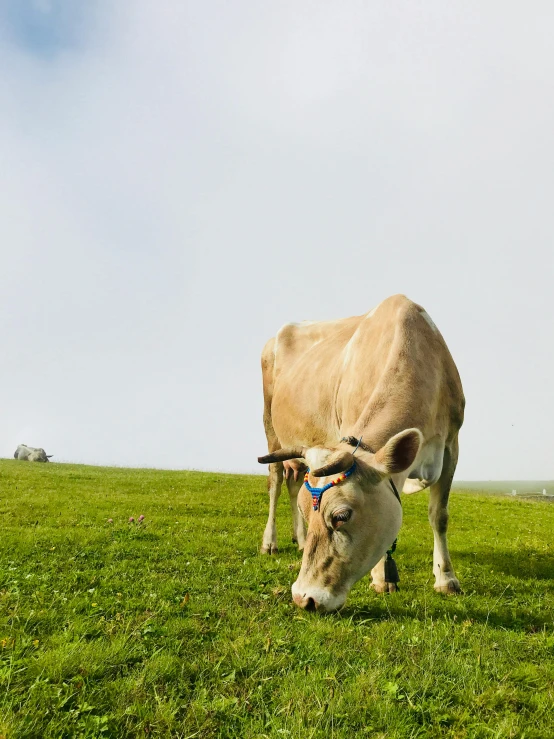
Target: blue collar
<point>318,492</point>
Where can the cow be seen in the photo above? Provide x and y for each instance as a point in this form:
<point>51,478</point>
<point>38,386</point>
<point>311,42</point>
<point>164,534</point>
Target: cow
<point>367,406</point>
<point>31,454</point>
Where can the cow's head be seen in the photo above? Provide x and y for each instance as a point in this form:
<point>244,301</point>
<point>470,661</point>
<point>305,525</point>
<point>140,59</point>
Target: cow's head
<point>39,455</point>
<point>356,521</point>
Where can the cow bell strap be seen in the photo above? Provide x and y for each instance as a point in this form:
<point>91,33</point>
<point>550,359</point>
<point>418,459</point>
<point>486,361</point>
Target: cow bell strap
<point>391,570</point>
<point>395,490</point>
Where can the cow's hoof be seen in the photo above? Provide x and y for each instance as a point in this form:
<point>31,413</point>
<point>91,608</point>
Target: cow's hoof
<point>450,587</point>
<point>384,587</point>
<point>269,549</point>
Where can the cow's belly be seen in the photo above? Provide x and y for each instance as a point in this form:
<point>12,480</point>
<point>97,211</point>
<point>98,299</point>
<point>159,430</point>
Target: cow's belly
<point>427,467</point>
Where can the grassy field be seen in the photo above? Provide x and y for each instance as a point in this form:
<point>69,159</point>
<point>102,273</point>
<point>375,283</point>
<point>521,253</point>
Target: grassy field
<point>177,627</point>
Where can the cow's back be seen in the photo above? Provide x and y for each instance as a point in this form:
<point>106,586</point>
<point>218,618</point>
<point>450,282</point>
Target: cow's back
<point>398,373</point>
<point>303,379</point>
<point>381,373</point>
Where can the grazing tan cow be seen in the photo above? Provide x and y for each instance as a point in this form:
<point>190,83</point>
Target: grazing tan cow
<point>388,378</point>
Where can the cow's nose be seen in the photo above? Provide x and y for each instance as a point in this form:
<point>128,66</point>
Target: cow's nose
<point>308,603</point>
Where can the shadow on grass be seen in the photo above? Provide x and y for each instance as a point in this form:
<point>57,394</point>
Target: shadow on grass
<point>490,601</point>
<point>499,615</point>
<point>525,563</point>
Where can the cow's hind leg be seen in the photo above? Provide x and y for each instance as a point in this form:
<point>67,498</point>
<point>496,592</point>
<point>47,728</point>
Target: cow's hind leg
<point>445,579</point>
<point>298,529</point>
<point>274,482</point>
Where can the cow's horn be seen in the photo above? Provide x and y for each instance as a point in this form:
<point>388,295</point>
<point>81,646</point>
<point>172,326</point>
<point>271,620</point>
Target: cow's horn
<point>280,455</point>
<point>48,456</point>
<point>338,462</point>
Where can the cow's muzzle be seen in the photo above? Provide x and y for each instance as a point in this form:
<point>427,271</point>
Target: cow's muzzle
<point>316,599</point>
<point>305,602</point>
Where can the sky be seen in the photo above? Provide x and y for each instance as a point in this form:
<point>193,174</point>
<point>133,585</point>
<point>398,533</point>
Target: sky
<point>179,179</point>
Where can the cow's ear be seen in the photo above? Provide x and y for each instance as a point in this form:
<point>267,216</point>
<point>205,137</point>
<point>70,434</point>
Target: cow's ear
<point>398,453</point>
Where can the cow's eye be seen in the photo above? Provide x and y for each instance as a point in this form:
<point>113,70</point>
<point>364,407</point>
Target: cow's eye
<point>340,517</point>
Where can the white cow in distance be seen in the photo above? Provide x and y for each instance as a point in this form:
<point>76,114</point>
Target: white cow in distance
<point>31,454</point>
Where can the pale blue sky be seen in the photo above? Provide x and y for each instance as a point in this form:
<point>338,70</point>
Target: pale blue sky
<point>47,28</point>
<point>180,179</point>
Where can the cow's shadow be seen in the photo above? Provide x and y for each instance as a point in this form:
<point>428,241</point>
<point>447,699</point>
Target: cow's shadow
<point>507,617</point>
<point>509,605</point>
<point>525,564</point>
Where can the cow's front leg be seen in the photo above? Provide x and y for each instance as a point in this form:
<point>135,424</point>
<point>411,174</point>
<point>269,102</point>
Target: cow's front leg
<point>274,482</point>
<point>445,578</point>
<point>295,480</point>
<point>378,578</point>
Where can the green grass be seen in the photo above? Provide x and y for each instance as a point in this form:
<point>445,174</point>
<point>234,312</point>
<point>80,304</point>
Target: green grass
<point>179,628</point>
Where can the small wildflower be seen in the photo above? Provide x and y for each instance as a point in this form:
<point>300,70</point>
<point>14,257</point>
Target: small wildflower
<point>141,518</point>
<point>110,520</point>
<point>131,519</point>
<point>94,605</point>
<point>35,642</point>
